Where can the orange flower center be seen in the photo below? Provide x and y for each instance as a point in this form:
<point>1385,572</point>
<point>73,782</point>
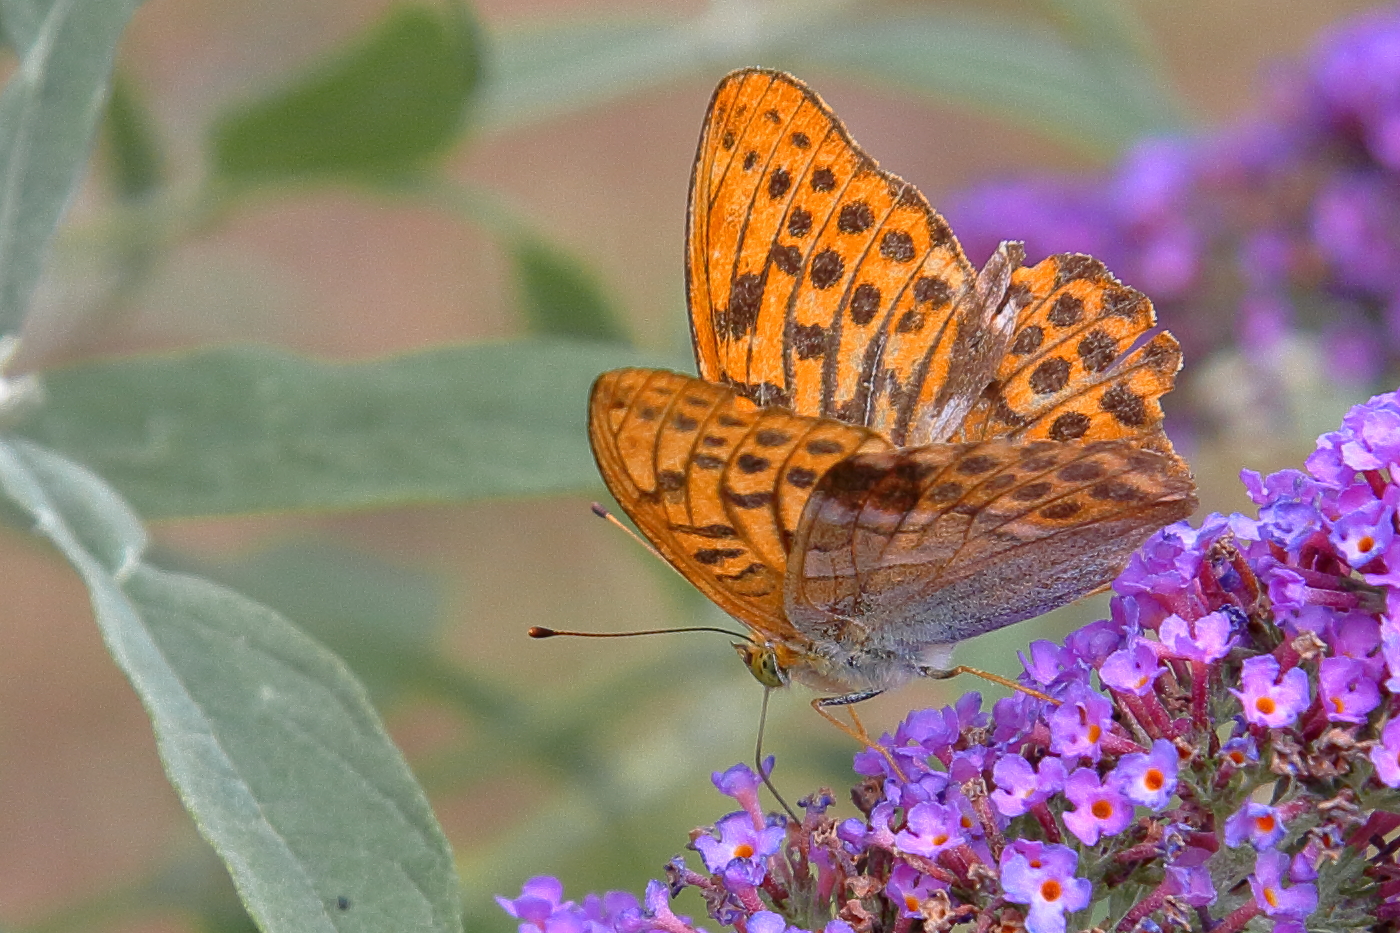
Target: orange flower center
<point>1153,779</point>
<point>1271,896</point>
<point>1337,705</point>
<point>940,839</point>
<point>1101,809</point>
<point>1265,705</point>
<point>1050,890</point>
<point>743,850</point>
<point>911,902</point>
<point>1366,543</point>
<point>1094,733</point>
<point>1265,823</point>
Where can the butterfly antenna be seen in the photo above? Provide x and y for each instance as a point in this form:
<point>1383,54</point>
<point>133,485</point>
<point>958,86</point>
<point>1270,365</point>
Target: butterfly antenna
<point>613,520</point>
<point>539,631</point>
<point>758,758</point>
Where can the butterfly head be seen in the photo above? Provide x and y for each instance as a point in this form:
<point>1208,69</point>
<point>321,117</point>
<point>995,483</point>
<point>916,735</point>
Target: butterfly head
<point>762,661</point>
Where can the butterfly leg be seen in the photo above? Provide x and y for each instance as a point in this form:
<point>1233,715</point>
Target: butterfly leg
<point>934,673</point>
<point>822,704</point>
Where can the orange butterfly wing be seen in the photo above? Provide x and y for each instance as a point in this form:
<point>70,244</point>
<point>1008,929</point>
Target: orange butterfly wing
<point>1079,365</point>
<point>818,282</point>
<point>716,483</point>
<point>931,545</point>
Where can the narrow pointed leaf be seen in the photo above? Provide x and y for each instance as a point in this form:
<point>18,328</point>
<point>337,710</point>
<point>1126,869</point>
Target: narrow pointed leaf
<point>559,297</point>
<point>382,108</point>
<point>134,160</point>
<point>270,742</point>
<point>48,112</point>
<point>1092,97</point>
<point>1029,75</point>
<point>253,430</point>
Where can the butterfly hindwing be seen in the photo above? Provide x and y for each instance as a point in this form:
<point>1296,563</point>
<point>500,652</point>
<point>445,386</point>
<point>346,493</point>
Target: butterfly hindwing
<point>815,280</point>
<point>934,544</point>
<point>717,484</point>
<point>1069,373</point>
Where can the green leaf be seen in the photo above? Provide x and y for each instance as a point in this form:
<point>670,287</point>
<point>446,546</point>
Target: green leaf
<point>48,111</point>
<point>1102,28</point>
<point>134,158</point>
<point>1029,75</point>
<point>255,430</point>
<point>1087,94</point>
<point>382,620</point>
<point>559,296</point>
<point>380,109</point>
<point>268,739</point>
<point>545,70</point>
<point>103,525</point>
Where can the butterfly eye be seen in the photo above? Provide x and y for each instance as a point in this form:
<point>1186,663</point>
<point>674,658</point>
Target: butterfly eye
<point>762,663</point>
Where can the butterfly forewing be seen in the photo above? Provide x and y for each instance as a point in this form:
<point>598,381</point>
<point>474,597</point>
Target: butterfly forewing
<point>934,544</point>
<point>740,193</point>
<point>817,281</point>
<point>1068,373</point>
<point>714,482</point>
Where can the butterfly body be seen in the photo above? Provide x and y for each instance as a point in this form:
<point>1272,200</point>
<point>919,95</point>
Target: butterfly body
<point>886,451</point>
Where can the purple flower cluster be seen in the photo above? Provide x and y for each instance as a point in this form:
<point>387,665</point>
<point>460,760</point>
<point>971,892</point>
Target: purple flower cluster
<point>1288,220</point>
<point>1223,752</point>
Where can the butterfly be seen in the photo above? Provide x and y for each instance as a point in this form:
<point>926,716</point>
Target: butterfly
<point>886,451</point>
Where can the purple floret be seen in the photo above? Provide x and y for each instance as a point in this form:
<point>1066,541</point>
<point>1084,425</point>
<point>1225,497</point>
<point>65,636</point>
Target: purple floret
<point>1134,669</point>
<point>1255,823</point>
<point>1042,876</point>
<point>1100,808</point>
<point>1148,778</point>
<point>1274,897</point>
<point>1268,699</point>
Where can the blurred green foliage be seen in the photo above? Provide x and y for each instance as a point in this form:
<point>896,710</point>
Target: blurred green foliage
<point>385,107</point>
<point>268,737</point>
<point>177,435</point>
<point>47,116</point>
<point>135,165</point>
